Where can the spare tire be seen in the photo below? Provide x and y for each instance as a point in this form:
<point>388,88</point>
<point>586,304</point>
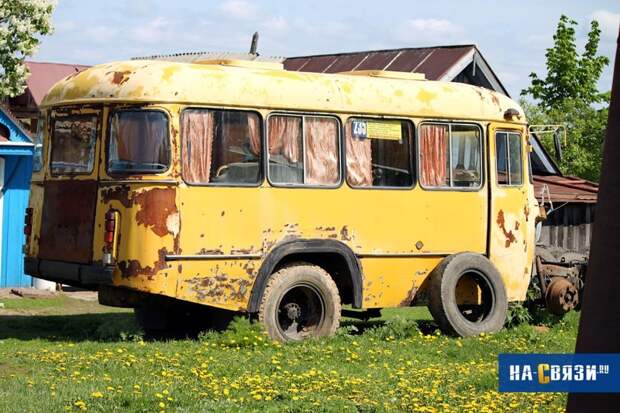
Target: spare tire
<point>487,316</point>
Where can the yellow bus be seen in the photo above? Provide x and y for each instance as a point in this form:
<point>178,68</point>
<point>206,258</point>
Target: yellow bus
<point>190,191</point>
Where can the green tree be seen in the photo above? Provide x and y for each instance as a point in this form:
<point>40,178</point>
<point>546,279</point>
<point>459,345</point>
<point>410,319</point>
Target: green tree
<point>22,22</point>
<point>569,95</point>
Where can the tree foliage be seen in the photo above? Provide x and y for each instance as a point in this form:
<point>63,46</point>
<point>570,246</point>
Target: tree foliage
<point>22,22</point>
<point>569,95</point>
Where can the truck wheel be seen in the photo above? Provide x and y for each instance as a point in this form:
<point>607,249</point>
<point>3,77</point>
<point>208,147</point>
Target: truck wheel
<point>473,271</point>
<point>300,301</point>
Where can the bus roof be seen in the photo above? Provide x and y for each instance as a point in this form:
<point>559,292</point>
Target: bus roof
<point>225,84</point>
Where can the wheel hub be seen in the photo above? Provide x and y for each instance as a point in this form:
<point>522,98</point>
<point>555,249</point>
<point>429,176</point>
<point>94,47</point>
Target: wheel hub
<point>293,311</point>
<point>561,296</point>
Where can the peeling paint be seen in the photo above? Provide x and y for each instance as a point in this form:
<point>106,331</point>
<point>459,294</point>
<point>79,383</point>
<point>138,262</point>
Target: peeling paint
<point>510,237</point>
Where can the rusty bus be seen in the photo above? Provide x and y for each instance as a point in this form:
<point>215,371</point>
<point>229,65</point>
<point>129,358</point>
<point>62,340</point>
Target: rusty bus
<point>189,190</point>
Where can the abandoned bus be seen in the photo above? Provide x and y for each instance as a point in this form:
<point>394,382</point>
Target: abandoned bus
<point>186,189</point>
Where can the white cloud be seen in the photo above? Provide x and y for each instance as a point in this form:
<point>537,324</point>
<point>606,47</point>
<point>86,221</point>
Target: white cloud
<point>239,9</point>
<point>428,31</point>
<point>153,31</point>
<point>276,24</point>
<point>609,21</point>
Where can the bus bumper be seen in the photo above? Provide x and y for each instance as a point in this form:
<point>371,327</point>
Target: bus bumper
<point>68,273</point>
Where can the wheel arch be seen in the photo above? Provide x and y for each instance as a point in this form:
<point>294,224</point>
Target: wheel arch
<point>309,250</point>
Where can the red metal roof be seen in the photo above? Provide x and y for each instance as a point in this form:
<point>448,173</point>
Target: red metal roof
<point>564,189</point>
<point>434,62</point>
<point>44,75</point>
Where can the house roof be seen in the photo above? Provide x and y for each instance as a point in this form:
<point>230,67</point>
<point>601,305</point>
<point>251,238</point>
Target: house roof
<point>437,63</point>
<point>44,75</point>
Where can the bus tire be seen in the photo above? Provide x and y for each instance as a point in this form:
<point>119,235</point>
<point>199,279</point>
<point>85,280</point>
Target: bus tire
<point>470,320</point>
<point>300,301</point>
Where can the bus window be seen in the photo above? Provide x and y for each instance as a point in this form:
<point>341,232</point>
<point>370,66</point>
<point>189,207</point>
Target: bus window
<point>139,142</point>
<point>508,155</point>
<point>73,144</point>
<point>303,150</point>
<point>466,148</point>
<point>450,156</point>
<point>221,147</point>
<point>378,153</point>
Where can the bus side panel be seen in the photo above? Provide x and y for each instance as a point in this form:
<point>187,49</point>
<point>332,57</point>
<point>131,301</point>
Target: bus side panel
<point>241,221</point>
<point>395,282</point>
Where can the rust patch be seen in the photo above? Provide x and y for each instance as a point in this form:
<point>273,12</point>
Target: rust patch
<point>223,213</point>
<point>526,211</point>
<point>510,237</point>
<point>516,225</point>
<point>410,296</point>
<point>156,206</point>
<point>205,251</point>
<point>180,268</point>
<point>119,193</point>
<point>133,268</point>
<point>119,78</point>
<point>344,234</point>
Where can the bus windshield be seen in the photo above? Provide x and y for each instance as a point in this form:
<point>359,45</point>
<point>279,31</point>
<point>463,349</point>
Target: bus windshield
<point>73,144</point>
<point>139,142</point>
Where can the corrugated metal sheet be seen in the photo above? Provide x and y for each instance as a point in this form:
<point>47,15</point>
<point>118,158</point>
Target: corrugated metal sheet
<point>434,62</point>
<point>557,188</point>
<point>569,227</point>
<point>191,57</point>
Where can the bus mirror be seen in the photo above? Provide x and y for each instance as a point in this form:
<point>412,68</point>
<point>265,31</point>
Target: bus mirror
<point>558,133</point>
<point>557,144</point>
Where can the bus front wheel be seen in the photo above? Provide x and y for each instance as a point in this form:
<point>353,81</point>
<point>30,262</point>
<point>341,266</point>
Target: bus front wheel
<point>467,295</point>
<point>300,301</point>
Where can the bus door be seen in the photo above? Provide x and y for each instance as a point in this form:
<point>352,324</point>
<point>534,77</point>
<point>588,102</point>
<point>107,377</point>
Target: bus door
<point>511,215</point>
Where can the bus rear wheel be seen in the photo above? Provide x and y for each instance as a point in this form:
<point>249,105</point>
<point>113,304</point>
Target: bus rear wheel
<point>300,301</point>
<point>474,275</point>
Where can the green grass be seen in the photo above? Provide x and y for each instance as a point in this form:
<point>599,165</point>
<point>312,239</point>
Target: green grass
<point>63,361</point>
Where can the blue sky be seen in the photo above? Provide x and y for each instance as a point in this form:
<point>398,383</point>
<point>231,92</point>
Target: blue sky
<point>512,36</point>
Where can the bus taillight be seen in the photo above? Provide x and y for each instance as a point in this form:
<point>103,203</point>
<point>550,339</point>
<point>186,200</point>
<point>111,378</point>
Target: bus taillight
<point>108,237</point>
<point>28,223</point>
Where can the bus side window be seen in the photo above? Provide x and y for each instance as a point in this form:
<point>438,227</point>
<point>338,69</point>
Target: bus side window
<point>508,158</point>
<point>378,153</point>
<point>450,156</point>
<point>221,147</point>
<point>303,150</point>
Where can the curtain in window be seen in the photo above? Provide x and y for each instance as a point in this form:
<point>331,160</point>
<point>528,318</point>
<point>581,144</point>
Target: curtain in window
<point>141,137</point>
<point>359,160</point>
<point>254,134</point>
<point>321,151</point>
<point>197,132</point>
<point>284,137</point>
<point>434,155</point>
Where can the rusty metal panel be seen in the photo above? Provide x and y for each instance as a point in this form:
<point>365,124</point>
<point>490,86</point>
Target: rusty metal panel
<point>408,60</point>
<point>564,189</point>
<point>318,64</point>
<point>295,63</point>
<point>377,60</point>
<point>441,61</point>
<point>67,221</point>
<point>345,63</point>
